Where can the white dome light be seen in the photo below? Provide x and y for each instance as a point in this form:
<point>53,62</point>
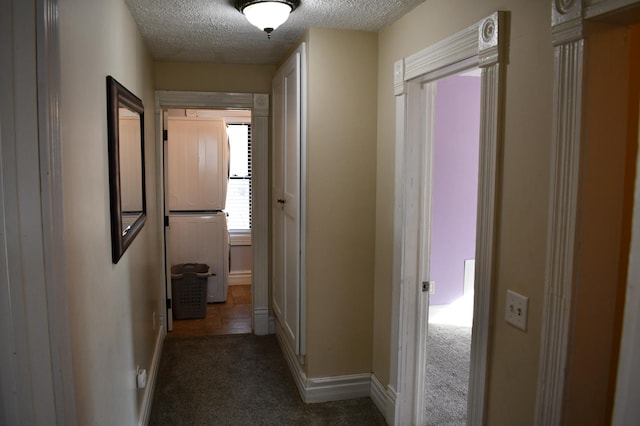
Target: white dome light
<point>267,15</point>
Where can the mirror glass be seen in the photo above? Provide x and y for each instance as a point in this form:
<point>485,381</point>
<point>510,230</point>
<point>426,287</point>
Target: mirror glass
<point>130,159</point>
<point>126,166</point>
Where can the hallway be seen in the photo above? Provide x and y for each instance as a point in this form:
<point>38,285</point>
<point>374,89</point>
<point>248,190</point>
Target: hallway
<point>213,371</point>
<point>240,379</point>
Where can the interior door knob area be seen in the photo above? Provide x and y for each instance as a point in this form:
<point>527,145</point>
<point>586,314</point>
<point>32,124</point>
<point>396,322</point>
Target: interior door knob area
<point>281,201</point>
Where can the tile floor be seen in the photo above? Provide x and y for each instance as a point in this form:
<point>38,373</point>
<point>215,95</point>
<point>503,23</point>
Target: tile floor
<point>230,317</point>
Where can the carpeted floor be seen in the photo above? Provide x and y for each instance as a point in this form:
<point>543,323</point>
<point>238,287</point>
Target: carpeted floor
<point>240,380</point>
<point>448,357</point>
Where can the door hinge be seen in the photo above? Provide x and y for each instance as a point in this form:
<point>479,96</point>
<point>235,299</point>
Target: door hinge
<point>165,135</point>
<point>166,221</point>
<point>168,303</point>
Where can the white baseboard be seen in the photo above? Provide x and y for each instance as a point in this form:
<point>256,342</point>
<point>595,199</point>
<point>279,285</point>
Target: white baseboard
<point>323,389</point>
<point>384,398</point>
<point>261,322</point>
<point>299,377</point>
<point>392,402</point>
<point>147,399</point>
<point>378,394</point>
<point>336,388</point>
<point>239,278</point>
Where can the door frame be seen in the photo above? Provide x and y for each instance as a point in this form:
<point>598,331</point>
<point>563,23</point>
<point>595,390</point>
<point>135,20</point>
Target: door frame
<point>479,45</point>
<point>258,104</point>
<point>35,331</point>
<point>426,89</point>
<point>568,22</point>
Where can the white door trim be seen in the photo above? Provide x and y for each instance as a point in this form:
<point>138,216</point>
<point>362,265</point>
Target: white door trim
<point>34,331</point>
<point>258,103</point>
<point>48,52</point>
<point>479,45</point>
<point>426,103</point>
<point>567,20</point>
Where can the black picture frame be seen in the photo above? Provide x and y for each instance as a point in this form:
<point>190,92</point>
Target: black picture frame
<point>125,224</point>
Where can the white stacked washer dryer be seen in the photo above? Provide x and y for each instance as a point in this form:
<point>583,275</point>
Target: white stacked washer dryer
<point>198,169</point>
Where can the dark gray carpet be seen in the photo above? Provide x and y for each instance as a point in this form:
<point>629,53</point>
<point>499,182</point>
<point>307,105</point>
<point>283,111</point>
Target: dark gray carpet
<point>240,380</point>
<point>448,358</point>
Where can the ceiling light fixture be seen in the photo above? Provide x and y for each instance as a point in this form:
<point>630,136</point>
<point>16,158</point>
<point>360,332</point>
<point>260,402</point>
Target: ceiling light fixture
<point>267,15</point>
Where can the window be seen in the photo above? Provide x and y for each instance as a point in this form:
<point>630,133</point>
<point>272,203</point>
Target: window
<point>238,205</point>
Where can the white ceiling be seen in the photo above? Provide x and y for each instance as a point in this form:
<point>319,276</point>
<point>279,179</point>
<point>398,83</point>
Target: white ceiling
<point>214,31</point>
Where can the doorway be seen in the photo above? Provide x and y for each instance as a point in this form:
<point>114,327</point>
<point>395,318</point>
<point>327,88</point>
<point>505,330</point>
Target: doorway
<point>258,106</point>
<point>449,226</point>
<point>477,46</point>
<point>208,188</point>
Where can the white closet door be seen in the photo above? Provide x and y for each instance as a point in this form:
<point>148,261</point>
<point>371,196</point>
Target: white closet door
<point>286,199</point>
<point>198,163</point>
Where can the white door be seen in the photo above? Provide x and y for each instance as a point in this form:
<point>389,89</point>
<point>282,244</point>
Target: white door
<point>286,199</point>
<point>198,164</point>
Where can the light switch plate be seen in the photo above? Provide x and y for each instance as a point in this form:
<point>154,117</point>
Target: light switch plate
<point>516,310</point>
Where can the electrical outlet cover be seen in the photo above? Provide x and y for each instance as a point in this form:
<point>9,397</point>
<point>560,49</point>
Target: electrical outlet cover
<point>141,378</point>
<point>516,310</point>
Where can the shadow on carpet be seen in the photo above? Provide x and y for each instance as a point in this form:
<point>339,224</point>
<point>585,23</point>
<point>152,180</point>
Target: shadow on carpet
<point>240,380</point>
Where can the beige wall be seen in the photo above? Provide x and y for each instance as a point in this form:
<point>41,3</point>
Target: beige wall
<point>204,77</point>
<point>111,306</point>
<point>342,76</point>
<point>523,188</point>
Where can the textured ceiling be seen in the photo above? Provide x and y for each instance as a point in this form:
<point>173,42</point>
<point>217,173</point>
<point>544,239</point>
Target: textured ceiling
<point>214,31</point>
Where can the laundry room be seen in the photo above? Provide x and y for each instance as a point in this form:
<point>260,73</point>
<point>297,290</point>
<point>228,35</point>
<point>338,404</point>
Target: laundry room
<point>208,203</point>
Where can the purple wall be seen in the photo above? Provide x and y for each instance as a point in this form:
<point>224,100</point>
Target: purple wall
<point>455,184</point>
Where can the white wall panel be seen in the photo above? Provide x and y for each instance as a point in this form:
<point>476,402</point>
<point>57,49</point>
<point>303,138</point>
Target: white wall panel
<point>198,163</point>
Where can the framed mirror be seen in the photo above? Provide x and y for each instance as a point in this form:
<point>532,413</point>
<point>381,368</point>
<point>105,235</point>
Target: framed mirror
<point>125,122</point>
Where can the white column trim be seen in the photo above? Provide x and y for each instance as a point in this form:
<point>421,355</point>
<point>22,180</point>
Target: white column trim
<point>260,211</point>
<point>48,52</point>
<point>565,167</point>
<point>479,45</point>
<point>398,321</point>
